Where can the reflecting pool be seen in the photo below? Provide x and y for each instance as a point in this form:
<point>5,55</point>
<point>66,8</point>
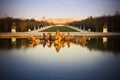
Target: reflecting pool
<point>89,58</point>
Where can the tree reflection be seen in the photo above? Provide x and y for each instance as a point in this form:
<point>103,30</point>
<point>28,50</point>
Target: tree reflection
<point>13,43</point>
<point>92,43</point>
<point>59,41</point>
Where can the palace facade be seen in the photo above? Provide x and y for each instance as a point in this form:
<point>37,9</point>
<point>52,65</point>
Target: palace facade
<point>58,20</point>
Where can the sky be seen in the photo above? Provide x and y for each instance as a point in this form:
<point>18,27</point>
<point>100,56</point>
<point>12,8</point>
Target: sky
<point>77,9</point>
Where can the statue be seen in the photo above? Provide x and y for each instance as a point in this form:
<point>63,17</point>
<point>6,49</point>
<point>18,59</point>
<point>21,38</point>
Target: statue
<point>13,28</point>
<point>105,30</point>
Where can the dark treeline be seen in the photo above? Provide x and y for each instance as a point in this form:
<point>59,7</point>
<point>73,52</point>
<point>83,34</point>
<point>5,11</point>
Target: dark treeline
<point>21,25</point>
<point>96,24</point>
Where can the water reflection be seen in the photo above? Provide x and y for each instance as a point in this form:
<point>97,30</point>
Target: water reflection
<point>58,43</point>
<point>105,40</point>
<point>13,43</point>
<point>92,43</point>
<point>36,58</point>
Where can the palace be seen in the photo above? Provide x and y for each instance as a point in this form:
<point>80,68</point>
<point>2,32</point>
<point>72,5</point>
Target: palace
<point>58,20</point>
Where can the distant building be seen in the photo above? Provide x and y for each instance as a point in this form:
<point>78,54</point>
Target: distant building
<point>43,18</point>
<point>58,20</point>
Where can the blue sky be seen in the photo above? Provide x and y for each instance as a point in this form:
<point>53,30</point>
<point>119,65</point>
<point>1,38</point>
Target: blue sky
<point>78,9</point>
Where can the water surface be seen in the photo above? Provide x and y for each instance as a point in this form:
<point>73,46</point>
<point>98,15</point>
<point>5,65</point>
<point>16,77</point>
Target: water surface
<point>96,58</point>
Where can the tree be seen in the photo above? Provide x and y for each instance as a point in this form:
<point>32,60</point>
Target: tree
<point>14,25</point>
<point>105,25</point>
<point>23,26</point>
<point>117,13</point>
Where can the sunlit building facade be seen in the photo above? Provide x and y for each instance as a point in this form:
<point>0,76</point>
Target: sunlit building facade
<point>58,20</point>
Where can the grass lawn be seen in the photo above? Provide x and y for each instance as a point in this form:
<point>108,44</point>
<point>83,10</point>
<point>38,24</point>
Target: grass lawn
<point>60,28</point>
